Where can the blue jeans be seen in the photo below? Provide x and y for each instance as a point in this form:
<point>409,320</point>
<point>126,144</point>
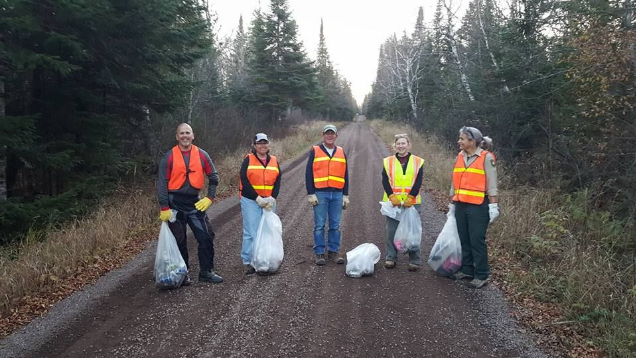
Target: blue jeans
<point>251,213</point>
<point>329,204</point>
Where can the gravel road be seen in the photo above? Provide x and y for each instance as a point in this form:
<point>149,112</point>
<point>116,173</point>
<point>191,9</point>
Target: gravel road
<point>303,311</point>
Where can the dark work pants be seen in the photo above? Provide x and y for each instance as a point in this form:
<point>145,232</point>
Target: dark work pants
<point>202,230</point>
<point>472,223</point>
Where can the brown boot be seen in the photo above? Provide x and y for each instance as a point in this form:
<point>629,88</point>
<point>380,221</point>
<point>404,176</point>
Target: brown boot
<point>335,258</point>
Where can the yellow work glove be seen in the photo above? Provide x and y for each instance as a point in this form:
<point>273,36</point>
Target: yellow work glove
<point>203,204</point>
<point>395,200</point>
<point>410,200</point>
<point>261,202</point>
<point>165,215</point>
<point>312,199</point>
<point>345,202</point>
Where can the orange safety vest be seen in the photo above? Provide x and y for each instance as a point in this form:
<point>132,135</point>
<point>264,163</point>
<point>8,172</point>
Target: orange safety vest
<point>329,172</point>
<point>194,173</point>
<point>402,182</point>
<point>262,178</point>
<point>470,182</point>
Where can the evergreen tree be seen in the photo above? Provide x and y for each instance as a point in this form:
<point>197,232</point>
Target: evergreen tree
<point>282,76</point>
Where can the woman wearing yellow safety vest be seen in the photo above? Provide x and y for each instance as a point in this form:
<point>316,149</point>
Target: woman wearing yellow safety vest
<point>258,189</point>
<point>474,196</point>
<point>402,180</point>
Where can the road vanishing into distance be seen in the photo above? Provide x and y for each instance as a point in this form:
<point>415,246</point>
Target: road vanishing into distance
<point>303,311</point>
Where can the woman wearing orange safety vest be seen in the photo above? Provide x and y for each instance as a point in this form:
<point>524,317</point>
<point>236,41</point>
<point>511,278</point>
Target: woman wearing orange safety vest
<point>402,180</point>
<point>258,189</point>
<point>474,196</point>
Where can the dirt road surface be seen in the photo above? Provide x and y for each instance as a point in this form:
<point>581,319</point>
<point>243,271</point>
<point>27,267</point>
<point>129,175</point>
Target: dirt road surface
<point>303,311</point>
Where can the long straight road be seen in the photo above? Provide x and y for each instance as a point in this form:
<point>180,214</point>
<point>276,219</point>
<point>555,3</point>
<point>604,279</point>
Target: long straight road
<point>304,310</point>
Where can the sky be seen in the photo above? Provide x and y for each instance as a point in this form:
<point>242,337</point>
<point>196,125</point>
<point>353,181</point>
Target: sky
<point>354,29</point>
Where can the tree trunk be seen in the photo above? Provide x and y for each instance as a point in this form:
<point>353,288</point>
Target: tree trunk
<point>3,150</point>
<point>451,36</point>
<point>492,56</point>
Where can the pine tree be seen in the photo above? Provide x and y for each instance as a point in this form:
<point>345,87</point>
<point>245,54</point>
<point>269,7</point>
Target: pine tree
<point>282,76</point>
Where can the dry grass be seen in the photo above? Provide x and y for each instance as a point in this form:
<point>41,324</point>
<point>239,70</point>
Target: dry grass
<point>42,265</point>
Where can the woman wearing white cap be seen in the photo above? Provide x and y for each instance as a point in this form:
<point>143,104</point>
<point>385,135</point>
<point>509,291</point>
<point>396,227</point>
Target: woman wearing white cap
<point>260,179</point>
<point>474,196</point>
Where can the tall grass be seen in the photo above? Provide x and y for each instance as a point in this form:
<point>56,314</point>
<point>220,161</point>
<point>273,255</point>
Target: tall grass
<point>47,259</point>
<point>564,250</point>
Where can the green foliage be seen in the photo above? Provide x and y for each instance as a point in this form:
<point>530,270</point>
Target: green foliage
<point>281,75</point>
<point>81,79</point>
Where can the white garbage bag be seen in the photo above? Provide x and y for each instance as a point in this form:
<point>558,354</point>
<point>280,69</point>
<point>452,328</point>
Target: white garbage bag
<point>408,235</point>
<point>170,268</point>
<point>446,255</point>
<point>267,249</point>
<point>361,260</point>
<point>394,212</point>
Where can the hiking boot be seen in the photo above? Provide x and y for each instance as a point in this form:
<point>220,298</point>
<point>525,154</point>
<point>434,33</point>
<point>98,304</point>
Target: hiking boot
<point>460,276</point>
<point>186,281</point>
<point>477,283</point>
<point>414,267</point>
<point>210,276</point>
<point>320,260</point>
<point>389,264</point>
<point>248,269</point>
<point>335,258</point>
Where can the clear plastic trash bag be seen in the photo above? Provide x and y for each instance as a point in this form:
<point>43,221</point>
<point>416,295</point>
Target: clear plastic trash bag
<point>361,260</point>
<point>170,268</point>
<point>408,235</point>
<point>394,212</point>
<point>446,255</point>
<point>267,249</point>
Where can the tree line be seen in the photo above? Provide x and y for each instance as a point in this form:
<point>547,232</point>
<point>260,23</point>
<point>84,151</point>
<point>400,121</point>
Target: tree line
<point>91,91</point>
<point>551,81</point>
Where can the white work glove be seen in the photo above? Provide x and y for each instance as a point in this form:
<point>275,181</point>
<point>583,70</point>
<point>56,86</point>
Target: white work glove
<point>270,203</point>
<point>312,199</point>
<point>261,202</point>
<point>493,211</point>
<point>451,209</point>
<point>345,202</point>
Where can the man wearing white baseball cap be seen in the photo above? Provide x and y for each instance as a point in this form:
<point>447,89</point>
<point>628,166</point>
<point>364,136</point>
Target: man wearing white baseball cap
<point>327,182</point>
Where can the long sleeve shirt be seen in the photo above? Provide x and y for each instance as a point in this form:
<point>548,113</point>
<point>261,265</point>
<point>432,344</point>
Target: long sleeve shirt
<point>248,190</point>
<point>489,168</point>
<point>386,184</point>
<point>309,174</point>
<point>165,172</point>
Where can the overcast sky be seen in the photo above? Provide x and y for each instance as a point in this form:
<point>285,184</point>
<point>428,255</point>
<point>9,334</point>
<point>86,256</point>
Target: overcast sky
<point>354,29</point>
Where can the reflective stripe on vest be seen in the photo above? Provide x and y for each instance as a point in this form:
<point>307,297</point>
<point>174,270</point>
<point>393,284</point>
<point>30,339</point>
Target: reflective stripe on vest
<point>402,182</point>
<point>262,178</point>
<point>194,173</point>
<point>470,182</point>
<point>329,172</point>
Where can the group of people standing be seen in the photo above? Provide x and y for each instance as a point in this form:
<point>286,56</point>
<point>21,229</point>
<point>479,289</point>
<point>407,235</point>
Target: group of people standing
<point>473,195</point>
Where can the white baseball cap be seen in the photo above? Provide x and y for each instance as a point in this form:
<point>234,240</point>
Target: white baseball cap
<point>330,127</point>
<point>261,136</point>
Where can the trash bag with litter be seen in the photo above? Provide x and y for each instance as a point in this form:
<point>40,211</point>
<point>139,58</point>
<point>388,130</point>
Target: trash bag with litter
<point>267,249</point>
<point>361,260</point>
<point>170,268</point>
<point>408,235</point>
<point>446,255</point>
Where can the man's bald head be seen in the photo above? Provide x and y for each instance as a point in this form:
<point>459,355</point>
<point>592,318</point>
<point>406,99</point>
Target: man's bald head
<point>185,136</point>
<point>186,125</point>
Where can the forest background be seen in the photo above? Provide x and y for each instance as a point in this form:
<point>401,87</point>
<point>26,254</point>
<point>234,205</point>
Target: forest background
<point>90,93</point>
